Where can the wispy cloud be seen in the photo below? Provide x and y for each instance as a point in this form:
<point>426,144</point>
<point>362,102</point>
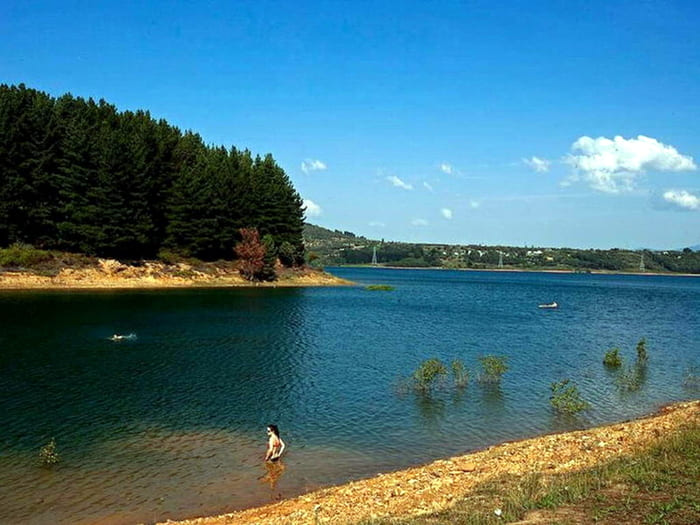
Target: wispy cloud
<point>446,213</point>
<point>427,186</point>
<point>399,183</point>
<point>537,164</point>
<point>308,165</point>
<point>419,222</point>
<point>474,204</point>
<point>376,224</point>
<point>446,168</point>
<point>312,209</point>
<point>682,199</point>
<point>613,165</point>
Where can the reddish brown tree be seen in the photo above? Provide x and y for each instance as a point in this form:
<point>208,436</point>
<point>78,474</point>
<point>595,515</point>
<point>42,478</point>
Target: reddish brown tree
<point>251,254</point>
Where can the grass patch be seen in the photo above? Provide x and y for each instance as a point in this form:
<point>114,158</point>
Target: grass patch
<point>379,288</point>
<point>657,485</point>
<point>21,255</point>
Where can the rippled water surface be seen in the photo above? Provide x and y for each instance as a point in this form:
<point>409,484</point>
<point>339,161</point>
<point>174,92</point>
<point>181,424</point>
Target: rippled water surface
<point>170,423</point>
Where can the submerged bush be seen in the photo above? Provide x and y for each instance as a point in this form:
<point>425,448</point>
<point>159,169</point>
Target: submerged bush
<point>48,455</point>
<point>631,378</point>
<point>493,367</point>
<point>642,351</point>
<point>379,287</point>
<point>428,373</point>
<point>566,398</point>
<point>460,373</point>
<point>691,381</point>
<point>612,358</point>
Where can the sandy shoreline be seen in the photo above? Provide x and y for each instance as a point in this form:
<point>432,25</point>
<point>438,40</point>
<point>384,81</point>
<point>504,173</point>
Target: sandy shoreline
<point>437,485</point>
<point>111,274</point>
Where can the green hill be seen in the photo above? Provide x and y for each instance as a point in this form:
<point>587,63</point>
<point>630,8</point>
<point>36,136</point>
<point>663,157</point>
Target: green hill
<point>334,247</point>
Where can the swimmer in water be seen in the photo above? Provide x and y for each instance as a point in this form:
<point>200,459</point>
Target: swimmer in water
<point>275,445</point>
<point>117,337</point>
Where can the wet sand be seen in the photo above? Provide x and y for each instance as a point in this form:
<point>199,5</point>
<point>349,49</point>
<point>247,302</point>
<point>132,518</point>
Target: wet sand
<point>438,485</point>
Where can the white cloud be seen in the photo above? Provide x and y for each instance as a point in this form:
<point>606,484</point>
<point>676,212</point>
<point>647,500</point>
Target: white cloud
<point>376,224</point>
<point>612,165</point>
<point>308,165</point>
<point>399,183</point>
<point>682,199</point>
<point>427,186</point>
<point>419,222</point>
<point>474,204</point>
<point>537,164</point>
<point>446,168</point>
<point>312,209</point>
<point>446,213</point>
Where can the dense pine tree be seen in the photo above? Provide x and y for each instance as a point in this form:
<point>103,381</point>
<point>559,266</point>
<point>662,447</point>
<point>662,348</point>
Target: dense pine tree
<point>79,175</point>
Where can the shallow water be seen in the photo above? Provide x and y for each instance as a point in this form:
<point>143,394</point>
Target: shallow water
<point>171,423</point>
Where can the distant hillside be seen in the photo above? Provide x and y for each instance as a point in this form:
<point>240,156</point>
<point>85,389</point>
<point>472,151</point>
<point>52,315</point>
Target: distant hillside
<point>334,247</point>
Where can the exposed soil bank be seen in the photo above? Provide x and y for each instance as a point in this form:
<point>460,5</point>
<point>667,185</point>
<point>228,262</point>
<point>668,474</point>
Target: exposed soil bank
<point>437,485</point>
<point>111,274</point>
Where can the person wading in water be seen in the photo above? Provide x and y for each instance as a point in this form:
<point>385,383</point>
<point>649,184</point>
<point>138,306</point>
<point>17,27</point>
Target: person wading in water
<point>275,445</point>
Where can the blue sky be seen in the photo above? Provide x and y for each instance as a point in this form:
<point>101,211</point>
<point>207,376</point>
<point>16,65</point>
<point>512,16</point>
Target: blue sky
<point>558,123</point>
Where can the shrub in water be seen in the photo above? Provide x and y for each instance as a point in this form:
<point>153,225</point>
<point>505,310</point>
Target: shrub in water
<point>631,378</point>
<point>427,373</point>
<point>566,398</point>
<point>691,381</point>
<point>493,367</point>
<point>612,358</point>
<point>48,454</point>
<point>460,373</point>
<point>380,287</point>
<point>642,351</point>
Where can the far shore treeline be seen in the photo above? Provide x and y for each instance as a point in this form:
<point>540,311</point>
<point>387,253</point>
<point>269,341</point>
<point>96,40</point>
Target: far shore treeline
<point>80,176</point>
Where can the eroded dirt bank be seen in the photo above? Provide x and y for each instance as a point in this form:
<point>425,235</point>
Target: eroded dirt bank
<point>437,485</point>
<point>112,274</point>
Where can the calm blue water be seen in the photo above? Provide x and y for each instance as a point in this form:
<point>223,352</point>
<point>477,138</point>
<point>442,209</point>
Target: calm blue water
<point>171,423</point>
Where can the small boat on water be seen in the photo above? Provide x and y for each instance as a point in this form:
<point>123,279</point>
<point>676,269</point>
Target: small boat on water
<point>549,305</point>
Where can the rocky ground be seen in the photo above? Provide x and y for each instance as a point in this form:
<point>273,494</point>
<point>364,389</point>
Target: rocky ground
<point>438,485</point>
<point>109,273</point>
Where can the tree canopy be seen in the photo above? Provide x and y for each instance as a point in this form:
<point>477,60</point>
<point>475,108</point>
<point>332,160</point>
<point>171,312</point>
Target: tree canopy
<point>80,176</point>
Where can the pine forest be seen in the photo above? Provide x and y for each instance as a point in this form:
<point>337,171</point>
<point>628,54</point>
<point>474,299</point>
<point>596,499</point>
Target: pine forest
<point>80,176</point>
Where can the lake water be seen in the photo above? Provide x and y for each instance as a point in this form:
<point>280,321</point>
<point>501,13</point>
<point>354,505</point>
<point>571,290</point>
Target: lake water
<point>171,423</point>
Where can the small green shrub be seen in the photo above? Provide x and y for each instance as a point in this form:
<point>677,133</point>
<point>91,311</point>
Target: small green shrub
<point>379,288</point>
<point>642,351</point>
<point>169,256</point>
<point>612,358</point>
<point>460,373</point>
<point>566,398</point>
<point>493,367</point>
<point>23,255</point>
<point>287,254</point>
<point>48,456</point>
<point>426,375</point>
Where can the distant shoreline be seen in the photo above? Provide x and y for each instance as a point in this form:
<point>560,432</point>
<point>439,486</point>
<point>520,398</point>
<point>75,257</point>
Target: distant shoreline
<point>516,270</point>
